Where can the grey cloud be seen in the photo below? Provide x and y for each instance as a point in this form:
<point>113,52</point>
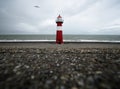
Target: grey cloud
<point>20,16</point>
<point>12,15</point>
<point>74,11</point>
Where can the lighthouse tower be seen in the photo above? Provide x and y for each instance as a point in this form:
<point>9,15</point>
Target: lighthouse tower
<point>59,35</point>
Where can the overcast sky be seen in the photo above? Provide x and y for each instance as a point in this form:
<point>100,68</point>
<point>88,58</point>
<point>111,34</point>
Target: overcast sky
<point>80,16</point>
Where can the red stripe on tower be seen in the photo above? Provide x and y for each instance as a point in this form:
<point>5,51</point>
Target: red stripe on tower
<point>59,35</point>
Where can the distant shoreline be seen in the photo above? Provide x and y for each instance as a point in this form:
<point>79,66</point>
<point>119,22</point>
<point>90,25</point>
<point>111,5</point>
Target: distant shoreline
<point>53,41</point>
<point>52,44</point>
<point>67,38</point>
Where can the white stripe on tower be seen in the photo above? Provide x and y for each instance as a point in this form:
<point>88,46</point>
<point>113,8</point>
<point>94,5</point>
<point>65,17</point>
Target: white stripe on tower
<point>59,27</point>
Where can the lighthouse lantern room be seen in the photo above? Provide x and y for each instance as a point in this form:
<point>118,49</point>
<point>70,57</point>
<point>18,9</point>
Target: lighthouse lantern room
<point>59,35</point>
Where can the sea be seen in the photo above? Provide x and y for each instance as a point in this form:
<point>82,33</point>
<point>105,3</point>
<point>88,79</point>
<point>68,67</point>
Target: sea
<point>66,38</point>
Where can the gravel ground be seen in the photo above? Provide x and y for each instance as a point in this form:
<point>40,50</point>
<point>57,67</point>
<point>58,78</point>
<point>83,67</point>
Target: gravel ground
<point>59,68</point>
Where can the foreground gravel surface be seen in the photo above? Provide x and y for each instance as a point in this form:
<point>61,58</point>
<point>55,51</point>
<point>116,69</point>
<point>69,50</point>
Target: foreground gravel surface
<point>58,68</point>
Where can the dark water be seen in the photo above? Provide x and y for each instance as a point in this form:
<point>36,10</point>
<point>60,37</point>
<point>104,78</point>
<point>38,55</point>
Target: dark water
<point>101,38</point>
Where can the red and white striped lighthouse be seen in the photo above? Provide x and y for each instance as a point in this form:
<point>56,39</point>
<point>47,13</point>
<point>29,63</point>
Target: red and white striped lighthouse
<point>59,35</point>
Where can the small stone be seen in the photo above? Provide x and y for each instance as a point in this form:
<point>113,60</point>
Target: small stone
<point>46,56</point>
<point>90,80</point>
<point>18,73</point>
<point>81,83</point>
<point>51,71</point>
<point>48,81</point>
<point>67,58</point>
<point>26,66</point>
<point>9,79</point>
<point>6,71</point>
<point>38,56</point>
<point>56,61</point>
<point>54,54</point>
<point>55,77</point>
<point>32,76</point>
<point>117,60</point>
<point>18,66</point>
<point>98,72</point>
<point>37,51</point>
<point>62,62</point>
<point>62,78</point>
<point>83,59</point>
<point>74,88</point>
<point>105,86</point>
<point>74,60</point>
<point>58,65</point>
<point>72,64</point>
<point>62,87</point>
<point>4,59</point>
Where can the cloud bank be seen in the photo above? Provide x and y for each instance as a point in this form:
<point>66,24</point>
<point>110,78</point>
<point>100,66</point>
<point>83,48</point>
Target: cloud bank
<point>80,16</point>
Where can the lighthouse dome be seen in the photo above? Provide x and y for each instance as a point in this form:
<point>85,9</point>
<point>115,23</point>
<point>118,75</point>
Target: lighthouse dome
<point>59,19</point>
<point>59,16</point>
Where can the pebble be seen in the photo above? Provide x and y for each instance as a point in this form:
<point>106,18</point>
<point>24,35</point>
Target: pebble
<point>98,72</point>
<point>32,76</point>
<point>51,71</point>
<point>90,82</point>
<point>80,83</point>
<point>18,66</point>
<point>4,59</point>
<point>62,87</point>
<point>62,78</point>
<point>18,73</point>
<point>72,64</point>
<point>48,81</point>
<point>26,66</point>
<point>37,68</point>
<point>74,88</point>
<point>58,65</point>
<point>55,77</point>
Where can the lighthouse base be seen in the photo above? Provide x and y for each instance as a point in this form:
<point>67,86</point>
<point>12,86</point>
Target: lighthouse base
<point>59,37</point>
